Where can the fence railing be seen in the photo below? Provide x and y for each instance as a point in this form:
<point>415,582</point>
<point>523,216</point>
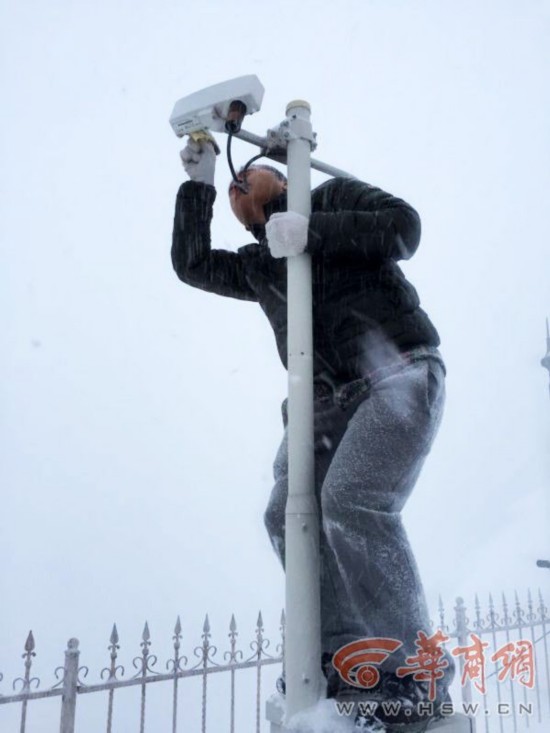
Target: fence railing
<point>70,684</point>
<point>503,670</point>
<point>506,627</point>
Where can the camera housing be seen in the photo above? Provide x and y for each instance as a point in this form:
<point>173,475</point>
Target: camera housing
<point>209,109</point>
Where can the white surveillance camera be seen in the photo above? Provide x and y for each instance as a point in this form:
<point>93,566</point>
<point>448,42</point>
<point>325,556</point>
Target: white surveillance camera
<point>217,108</point>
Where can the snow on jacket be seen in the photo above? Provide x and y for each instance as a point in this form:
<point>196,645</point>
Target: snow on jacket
<point>361,300</point>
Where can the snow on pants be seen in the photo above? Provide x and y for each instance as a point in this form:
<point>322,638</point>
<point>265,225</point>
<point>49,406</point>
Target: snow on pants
<point>369,450</point>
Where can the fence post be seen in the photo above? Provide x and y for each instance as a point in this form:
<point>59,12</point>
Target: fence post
<point>462,638</point>
<point>70,683</point>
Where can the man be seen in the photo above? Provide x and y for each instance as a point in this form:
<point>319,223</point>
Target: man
<point>378,396</point>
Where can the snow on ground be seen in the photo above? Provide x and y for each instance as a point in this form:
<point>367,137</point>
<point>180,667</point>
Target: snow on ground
<point>321,718</point>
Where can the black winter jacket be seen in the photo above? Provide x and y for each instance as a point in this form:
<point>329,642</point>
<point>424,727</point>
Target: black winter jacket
<point>361,300</point>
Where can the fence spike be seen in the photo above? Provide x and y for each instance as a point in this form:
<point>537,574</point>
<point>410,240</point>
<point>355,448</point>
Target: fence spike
<point>176,637</point>
<point>505,609</point>
<point>531,616</point>
<point>519,612</point>
<point>29,643</point>
<point>206,625</point>
<point>459,608</point>
<point>146,635</point>
<point>492,612</point>
<point>479,624</point>
<point>260,622</point>
<point>114,635</point>
<point>233,654</point>
<point>542,608</point>
<point>281,647</point>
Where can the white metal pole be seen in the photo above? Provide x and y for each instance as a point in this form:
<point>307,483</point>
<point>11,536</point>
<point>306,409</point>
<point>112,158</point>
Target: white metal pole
<point>303,628</point>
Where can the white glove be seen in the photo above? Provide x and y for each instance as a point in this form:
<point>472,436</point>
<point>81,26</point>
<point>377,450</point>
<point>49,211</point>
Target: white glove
<point>287,234</point>
<point>199,161</point>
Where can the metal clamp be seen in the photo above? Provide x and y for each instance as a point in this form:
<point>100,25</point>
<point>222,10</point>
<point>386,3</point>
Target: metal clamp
<point>279,137</point>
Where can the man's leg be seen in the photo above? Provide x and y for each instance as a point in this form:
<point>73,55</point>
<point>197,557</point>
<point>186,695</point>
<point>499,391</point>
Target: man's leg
<point>367,558</point>
<point>274,517</point>
<point>330,423</point>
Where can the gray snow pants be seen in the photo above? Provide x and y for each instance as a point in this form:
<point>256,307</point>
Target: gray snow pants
<point>371,439</point>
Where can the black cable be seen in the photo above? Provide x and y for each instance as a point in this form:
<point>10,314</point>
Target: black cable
<point>240,184</point>
<point>260,155</point>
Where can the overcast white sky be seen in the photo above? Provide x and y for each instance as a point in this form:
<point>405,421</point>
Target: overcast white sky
<point>140,417</point>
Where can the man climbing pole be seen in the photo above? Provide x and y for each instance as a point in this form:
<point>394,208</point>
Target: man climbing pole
<point>379,390</point>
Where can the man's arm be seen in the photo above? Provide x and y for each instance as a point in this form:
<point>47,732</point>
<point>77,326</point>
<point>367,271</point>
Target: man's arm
<point>216,271</point>
<point>352,218</point>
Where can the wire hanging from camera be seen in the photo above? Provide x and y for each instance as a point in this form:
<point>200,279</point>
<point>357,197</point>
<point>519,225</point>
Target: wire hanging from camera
<point>235,116</point>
